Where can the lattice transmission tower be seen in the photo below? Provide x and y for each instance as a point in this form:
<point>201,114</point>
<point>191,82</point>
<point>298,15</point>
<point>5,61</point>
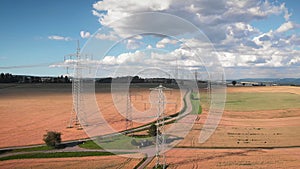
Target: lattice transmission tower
<point>160,127</point>
<point>76,89</point>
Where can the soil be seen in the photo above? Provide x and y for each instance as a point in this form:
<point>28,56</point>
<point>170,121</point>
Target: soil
<point>231,158</point>
<point>72,163</point>
<point>28,111</point>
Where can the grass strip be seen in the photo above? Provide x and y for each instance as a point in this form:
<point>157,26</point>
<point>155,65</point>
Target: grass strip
<point>196,107</point>
<point>90,144</point>
<point>55,155</point>
<point>39,148</point>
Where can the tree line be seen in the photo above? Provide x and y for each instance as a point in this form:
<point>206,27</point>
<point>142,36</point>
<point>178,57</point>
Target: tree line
<point>9,78</point>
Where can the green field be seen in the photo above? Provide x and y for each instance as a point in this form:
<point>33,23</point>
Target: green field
<point>120,142</point>
<point>90,145</point>
<point>261,101</point>
<point>195,100</point>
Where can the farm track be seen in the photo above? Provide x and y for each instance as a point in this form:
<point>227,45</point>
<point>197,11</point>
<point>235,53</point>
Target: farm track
<point>146,162</point>
<point>195,165</point>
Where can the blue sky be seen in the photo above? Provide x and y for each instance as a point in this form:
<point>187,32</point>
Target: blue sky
<point>274,21</point>
<point>35,32</point>
<point>26,26</point>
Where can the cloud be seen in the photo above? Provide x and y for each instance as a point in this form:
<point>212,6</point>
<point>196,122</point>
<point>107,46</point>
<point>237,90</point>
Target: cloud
<point>133,44</point>
<point>84,34</point>
<point>240,30</point>
<point>227,23</point>
<point>264,38</point>
<point>286,27</point>
<point>162,43</point>
<point>61,38</point>
<point>71,63</point>
<point>109,36</point>
<point>295,60</point>
<point>212,16</point>
<point>287,14</point>
<point>124,58</point>
<point>97,14</point>
<point>132,5</point>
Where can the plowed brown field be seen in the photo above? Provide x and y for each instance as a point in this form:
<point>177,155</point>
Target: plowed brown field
<point>27,111</point>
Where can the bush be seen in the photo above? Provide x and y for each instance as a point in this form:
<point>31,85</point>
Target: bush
<point>200,110</point>
<point>152,130</point>
<point>134,142</point>
<point>52,139</point>
<point>234,83</point>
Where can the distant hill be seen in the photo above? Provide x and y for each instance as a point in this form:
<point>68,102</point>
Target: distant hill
<point>279,81</point>
<point>291,81</point>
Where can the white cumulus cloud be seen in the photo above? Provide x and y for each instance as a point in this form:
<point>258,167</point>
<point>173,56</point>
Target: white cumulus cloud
<point>109,36</point>
<point>61,38</point>
<point>124,58</point>
<point>84,34</point>
<point>164,42</point>
<point>286,27</point>
<point>227,23</point>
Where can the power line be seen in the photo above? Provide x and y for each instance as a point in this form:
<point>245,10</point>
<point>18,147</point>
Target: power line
<point>29,66</point>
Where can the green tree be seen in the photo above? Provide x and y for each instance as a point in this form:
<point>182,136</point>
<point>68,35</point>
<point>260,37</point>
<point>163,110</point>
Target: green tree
<point>152,130</point>
<point>67,79</point>
<point>52,139</point>
<point>234,83</point>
